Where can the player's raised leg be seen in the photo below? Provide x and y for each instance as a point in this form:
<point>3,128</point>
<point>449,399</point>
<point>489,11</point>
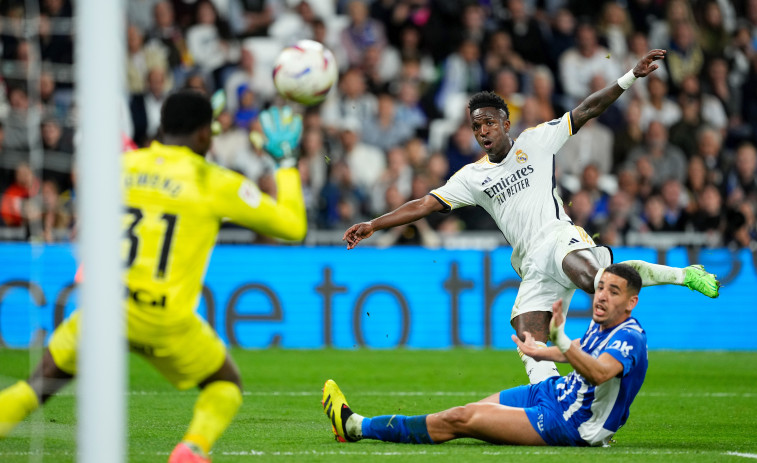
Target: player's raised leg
<point>585,271</point>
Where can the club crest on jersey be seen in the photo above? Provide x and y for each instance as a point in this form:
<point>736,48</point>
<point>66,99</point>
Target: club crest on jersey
<point>521,157</point>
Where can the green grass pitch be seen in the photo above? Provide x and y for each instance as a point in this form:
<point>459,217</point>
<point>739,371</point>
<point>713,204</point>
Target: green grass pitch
<point>693,407</point>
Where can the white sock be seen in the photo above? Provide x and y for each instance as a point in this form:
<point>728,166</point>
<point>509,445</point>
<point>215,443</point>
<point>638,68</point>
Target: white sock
<point>538,371</point>
<point>354,426</point>
<point>655,274</point>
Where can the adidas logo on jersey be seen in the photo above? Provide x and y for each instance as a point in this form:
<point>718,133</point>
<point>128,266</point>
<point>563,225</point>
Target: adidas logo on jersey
<point>572,241</point>
<point>488,179</point>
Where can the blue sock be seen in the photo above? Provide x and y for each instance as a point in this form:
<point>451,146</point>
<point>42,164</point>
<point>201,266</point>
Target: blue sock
<point>397,428</point>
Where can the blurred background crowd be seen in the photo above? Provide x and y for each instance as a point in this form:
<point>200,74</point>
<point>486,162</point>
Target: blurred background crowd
<point>672,162</point>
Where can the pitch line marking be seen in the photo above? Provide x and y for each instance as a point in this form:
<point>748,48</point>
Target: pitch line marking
<point>739,454</point>
<point>317,393</point>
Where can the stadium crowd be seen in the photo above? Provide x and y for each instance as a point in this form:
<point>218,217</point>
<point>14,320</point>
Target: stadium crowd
<point>675,154</point>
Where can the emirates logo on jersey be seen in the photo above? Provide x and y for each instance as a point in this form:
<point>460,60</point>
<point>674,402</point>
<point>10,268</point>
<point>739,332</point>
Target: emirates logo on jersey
<point>521,157</point>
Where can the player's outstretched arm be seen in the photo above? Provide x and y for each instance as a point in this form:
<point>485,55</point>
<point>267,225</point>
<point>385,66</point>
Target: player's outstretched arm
<point>597,102</point>
<point>408,212</point>
<point>595,370</point>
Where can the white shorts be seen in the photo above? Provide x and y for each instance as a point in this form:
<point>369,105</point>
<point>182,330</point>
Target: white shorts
<point>544,280</point>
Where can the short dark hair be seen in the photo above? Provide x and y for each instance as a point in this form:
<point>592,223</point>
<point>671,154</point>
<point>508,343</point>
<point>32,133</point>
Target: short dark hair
<point>184,112</point>
<point>628,273</point>
<point>487,100</point>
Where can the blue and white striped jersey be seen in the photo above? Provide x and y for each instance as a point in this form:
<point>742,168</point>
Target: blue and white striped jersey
<point>597,412</point>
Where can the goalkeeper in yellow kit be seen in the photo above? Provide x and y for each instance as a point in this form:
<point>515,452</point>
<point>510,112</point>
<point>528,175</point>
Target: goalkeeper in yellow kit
<point>175,202</point>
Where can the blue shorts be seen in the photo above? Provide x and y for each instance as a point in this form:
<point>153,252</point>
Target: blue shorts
<point>543,411</point>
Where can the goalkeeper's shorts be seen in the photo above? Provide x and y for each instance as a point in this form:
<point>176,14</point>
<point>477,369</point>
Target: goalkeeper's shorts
<point>185,358</point>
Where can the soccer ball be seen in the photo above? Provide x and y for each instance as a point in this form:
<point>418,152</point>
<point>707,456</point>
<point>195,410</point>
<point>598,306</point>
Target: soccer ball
<point>305,72</point>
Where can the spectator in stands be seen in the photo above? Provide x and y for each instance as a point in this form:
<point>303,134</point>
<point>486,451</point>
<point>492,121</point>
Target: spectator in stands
<point>417,154</point>
<point>352,101</point>
<point>409,111</point>
<point>675,201</point>
<point>622,218</point>
<point>600,198</point>
<point>718,84</point>
<point>54,47</point>
<point>462,72</point>
<point>211,44</point>
<point>499,53</point>
<point>14,203</point>
<point>140,14</point>
<point>380,65</point>
<point>665,160</point>
<point>696,181</point>
<point>543,90</point>
<point>526,32</point>
<point>713,34</point>
<point>659,107</point>
<point>248,107</point>
<point>580,63</point>
<point>592,145</point>
<point>713,111</point>
<point>662,29</point>
<point>342,201</point>
<point>683,133</point>
<point>580,209</point>
<point>141,58</point>
<point>741,181</point>
<point>653,219</point>
<point>54,102</point>
<point>145,107</point>
<point>710,149</point>
<point>741,227</point>
<point>361,32</point>
<point>412,50</point>
<point>386,130</point>
<point>315,155</point>
<point>6,173</point>
<point>16,128</point>
<point>628,136</point>
<point>398,174</point>
<point>252,18</point>
<point>196,81</point>
<point>55,218</point>
<point>709,217</point>
<point>244,73</point>
<point>615,28</point>
<point>529,116</point>
<point>561,38</point>
<point>169,35</point>
<point>685,56</point>
<point>506,84</point>
<point>365,162</point>
<point>461,148</point>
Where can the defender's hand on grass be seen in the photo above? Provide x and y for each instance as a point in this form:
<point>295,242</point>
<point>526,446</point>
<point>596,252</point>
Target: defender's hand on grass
<point>282,131</point>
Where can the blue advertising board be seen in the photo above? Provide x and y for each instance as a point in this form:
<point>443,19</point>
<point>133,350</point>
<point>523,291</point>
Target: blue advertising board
<point>313,297</point>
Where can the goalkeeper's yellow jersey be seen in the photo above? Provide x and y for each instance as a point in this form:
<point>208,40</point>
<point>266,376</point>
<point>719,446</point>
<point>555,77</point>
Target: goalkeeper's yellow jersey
<point>175,201</point>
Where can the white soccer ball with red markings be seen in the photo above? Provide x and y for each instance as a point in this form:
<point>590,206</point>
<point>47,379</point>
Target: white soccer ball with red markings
<point>305,72</point>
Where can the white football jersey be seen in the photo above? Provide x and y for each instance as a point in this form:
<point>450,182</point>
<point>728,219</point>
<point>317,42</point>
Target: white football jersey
<point>519,192</point>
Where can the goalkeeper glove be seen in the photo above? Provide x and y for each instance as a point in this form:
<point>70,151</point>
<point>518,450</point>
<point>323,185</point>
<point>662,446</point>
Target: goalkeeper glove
<point>282,132</point>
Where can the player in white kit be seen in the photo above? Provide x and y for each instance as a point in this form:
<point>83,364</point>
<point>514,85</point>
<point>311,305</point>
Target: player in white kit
<point>515,184</point>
